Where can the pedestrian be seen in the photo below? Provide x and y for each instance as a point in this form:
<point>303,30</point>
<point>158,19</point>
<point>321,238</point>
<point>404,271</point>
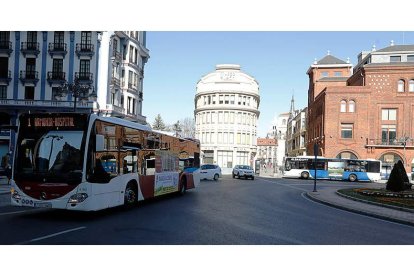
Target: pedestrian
<point>5,163</point>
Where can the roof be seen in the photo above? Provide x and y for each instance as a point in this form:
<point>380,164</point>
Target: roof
<point>334,79</point>
<point>329,59</point>
<point>397,48</point>
<point>266,142</point>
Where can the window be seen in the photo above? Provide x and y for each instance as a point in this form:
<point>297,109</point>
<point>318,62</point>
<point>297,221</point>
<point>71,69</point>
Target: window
<point>220,99</point>
<point>232,99</point>
<point>388,134</point>
<point>351,106</point>
<point>29,93</point>
<point>389,114</point>
<point>410,58</point>
<point>338,74</point>
<point>86,38</point>
<point>411,86</point>
<point>30,67</point>
<point>59,39</point>
<point>84,68</point>
<point>31,40</point>
<point>401,86</point>
<point>395,58</point>
<point>343,106</point>
<point>324,74</point>
<point>3,92</point>
<point>346,131</point>
<point>57,66</point>
<point>226,99</point>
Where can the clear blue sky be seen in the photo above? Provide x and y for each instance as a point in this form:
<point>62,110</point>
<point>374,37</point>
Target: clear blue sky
<point>277,60</point>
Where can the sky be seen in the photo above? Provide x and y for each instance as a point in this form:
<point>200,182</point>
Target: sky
<point>278,61</point>
<point>273,41</point>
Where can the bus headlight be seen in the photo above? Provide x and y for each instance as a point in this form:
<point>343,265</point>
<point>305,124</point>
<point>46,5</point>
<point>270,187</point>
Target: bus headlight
<point>15,195</point>
<point>78,198</point>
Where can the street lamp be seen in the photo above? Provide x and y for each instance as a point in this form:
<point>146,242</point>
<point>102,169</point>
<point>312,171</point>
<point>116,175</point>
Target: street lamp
<point>78,90</point>
<point>403,141</point>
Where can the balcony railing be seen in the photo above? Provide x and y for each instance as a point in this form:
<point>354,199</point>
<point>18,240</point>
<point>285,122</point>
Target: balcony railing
<point>116,55</point>
<point>389,143</point>
<point>58,48</point>
<point>30,48</point>
<point>85,49</point>
<point>84,77</point>
<point>115,81</point>
<point>6,47</point>
<point>5,78</point>
<point>51,104</point>
<point>115,109</point>
<point>56,77</point>
<point>29,77</point>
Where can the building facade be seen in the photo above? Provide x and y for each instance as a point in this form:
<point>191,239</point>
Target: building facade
<point>369,114</point>
<point>34,65</point>
<point>296,133</point>
<point>226,113</point>
<point>267,152</point>
<point>279,129</point>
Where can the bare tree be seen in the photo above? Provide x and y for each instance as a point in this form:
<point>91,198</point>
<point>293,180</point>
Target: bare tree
<point>187,127</point>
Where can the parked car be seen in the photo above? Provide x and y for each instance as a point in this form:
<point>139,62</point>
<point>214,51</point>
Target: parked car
<point>243,171</point>
<point>210,171</point>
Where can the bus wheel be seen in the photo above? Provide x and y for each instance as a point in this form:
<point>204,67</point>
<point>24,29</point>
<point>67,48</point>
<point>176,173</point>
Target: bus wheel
<point>183,185</point>
<point>352,178</point>
<point>304,175</point>
<point>216,177</point>
<point>131,195</point>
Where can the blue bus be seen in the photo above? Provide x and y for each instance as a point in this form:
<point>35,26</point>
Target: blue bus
<point>332,168</point>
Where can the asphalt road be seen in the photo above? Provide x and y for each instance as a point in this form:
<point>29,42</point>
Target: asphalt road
<point>230,211</point>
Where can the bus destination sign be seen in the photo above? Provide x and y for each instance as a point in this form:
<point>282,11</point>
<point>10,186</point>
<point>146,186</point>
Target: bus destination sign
<point>52,122</point>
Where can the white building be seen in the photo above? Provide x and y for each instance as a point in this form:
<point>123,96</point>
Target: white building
<point>279,128</point>
<point>34,64</point>
<point>226,113</point>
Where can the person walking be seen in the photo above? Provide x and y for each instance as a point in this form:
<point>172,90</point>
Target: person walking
<point>5,163</point>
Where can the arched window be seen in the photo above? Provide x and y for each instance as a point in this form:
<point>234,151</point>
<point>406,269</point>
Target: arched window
<point>351,106</point>
<point>411,86</point>
<point>401,86</point>
<point>343,106</point>
<point>346,155</point>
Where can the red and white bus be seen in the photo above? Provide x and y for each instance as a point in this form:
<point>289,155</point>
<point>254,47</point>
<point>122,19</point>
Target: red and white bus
<point>87,162</point>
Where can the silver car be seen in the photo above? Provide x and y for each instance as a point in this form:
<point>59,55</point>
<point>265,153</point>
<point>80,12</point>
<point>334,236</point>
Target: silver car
<point>243,171</point>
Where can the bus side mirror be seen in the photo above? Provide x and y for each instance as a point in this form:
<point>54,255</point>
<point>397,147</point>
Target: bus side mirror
<point>99,143</point>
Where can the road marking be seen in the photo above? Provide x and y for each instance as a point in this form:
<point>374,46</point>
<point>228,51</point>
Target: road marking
<point>53,235</point>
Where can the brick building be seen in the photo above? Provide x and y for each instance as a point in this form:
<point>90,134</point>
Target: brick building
<point>366,114</point>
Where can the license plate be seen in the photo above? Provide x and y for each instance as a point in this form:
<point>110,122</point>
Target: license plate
<point>43,204</point>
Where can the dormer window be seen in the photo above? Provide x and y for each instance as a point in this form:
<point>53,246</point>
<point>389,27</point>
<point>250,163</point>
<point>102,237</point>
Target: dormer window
<point>395,58</point>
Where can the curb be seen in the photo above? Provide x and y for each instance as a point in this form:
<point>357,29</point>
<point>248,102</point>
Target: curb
<point>376,203</point>
<point>359,211</point>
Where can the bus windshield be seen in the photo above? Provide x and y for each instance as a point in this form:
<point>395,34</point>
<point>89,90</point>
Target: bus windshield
<point>52,155</point>
<point>50,148</point>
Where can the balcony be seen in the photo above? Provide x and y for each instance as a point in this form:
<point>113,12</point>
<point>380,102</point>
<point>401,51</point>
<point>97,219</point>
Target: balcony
<point>115,110</point>
<point>30,104</point>
<point>57,49</point>
<point>115,81</point>
<point>5,78</point>
<point>85,49</point>
<point>29,77</point>
<point>386,143</point>
<point>30,48</point>
<point>84,77</point>
<point>116,56</point>
<point>6,47</point>
<point>56,77</point>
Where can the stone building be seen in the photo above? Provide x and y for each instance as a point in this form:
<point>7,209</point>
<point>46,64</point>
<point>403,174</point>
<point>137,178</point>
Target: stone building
<point>226,113</point>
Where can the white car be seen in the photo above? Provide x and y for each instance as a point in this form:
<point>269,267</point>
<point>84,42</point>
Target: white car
<point>243,171</point>
<point>210,171</point>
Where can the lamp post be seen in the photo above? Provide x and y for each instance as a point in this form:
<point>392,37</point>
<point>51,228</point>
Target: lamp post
<point>403,141</point>
<point>78,90</point>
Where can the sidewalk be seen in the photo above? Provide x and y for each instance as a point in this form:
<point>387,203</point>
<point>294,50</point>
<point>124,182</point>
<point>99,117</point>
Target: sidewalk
<point>330,197</point>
